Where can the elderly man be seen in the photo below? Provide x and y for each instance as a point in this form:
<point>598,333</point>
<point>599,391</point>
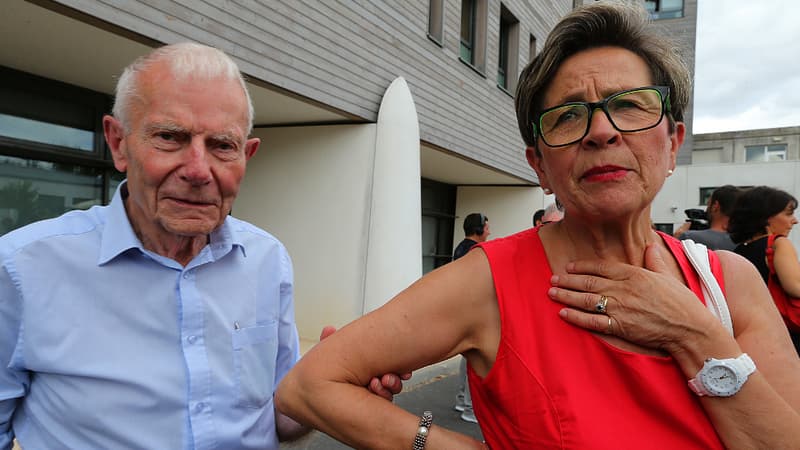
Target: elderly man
<point>158,321</point>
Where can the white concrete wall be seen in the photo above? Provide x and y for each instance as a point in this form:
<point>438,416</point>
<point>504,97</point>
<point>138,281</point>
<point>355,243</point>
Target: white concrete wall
<point>394,248</point>
<point>310,187</point>
<point>317,190</point>
<point>509,208</point>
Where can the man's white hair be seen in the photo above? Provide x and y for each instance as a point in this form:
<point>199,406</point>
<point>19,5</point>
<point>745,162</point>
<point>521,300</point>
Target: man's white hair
<point>186,59</point>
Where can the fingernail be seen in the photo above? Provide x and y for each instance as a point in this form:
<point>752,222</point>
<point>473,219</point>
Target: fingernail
<point>554,280</point>
<point>563,313</point>
<point>552,292</point>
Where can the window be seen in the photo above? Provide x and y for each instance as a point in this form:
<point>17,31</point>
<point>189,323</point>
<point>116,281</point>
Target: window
<point>468,30</point>
<point>438,220</point>
<point>509,50</point>
<point>436,21</point>
<point>52,154</point>
<point>708,156</point>
<point>705,193</point>
<point>760,153</point>
<point>664,9</point>
<point>33,189</point>
<point>473,34</point>
<point>531,47</point>
<point>667,228</point>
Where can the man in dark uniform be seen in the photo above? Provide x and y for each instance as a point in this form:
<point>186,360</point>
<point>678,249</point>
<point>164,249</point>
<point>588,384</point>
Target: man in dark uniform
<point>476,229</point>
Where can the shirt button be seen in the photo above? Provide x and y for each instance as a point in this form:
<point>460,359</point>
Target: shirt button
<point>198,408</point>
<point>186,276</point>
<point>192,339</point>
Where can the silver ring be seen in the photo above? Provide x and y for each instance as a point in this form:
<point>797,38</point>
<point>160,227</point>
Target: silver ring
<point>600,307</point>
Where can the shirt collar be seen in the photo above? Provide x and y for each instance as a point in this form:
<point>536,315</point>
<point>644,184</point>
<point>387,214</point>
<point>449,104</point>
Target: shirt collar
<point>119,237</point>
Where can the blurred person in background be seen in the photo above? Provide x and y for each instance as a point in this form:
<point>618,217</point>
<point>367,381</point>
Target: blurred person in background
<point>761,222</point>
<point>718,211</point>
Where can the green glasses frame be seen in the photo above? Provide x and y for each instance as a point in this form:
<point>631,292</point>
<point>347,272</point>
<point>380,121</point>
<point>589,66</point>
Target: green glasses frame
<point>663,94</point>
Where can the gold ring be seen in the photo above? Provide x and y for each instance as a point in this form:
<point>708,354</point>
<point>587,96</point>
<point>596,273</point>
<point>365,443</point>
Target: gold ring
<point>608,328</point>
<point>600,307</point>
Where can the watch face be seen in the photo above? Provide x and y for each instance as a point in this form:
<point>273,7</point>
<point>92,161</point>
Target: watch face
<point>720,380</point>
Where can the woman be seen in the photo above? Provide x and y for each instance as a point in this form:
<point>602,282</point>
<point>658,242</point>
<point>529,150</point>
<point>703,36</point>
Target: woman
<point>581,333</point>
<point>759,213</point>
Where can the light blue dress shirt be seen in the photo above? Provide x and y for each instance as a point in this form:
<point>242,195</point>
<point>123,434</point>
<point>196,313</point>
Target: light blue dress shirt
<point>106,345</point>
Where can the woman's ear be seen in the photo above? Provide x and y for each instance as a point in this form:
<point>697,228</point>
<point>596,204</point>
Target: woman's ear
<point>535,161</point>
<point>676,140</point>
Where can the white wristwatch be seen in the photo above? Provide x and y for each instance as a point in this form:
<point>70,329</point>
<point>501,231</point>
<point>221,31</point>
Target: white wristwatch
<point>722,377</point>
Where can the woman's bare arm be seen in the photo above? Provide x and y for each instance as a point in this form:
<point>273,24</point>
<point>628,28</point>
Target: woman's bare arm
<point>787,267</point>
<point>452,310</point>
<point>766,412</point>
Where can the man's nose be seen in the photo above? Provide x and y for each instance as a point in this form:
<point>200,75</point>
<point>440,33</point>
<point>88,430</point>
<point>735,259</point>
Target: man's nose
<point>196,167</point>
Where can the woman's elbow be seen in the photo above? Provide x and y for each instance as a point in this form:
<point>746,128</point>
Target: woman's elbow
<point>288,395</point>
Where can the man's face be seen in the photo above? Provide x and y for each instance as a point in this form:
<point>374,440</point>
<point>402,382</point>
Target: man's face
<point>184,155</point>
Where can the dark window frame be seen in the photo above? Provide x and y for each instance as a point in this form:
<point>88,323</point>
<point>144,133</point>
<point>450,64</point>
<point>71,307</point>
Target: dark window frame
<point>33,97</point>
<point>472,35</point>
<point>657,12</point>
<point>508,51</point>
<point>438,204</point>
<point>467,33</point>
<point>436,22</point>
<point>766,150</point>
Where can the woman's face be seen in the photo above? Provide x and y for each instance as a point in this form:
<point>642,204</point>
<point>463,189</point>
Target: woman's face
<point>782,222</point>
<point>607,172</point>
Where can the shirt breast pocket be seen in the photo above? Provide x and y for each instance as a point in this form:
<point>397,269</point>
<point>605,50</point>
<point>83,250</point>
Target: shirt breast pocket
<point>254,352</point>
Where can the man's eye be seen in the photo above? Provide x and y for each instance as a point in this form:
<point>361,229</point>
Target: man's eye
<point>166,136</point>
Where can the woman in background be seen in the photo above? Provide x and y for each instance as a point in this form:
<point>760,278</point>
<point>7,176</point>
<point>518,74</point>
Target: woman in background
<point>763,215</point>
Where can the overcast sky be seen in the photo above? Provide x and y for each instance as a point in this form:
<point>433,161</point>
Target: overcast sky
<point>747,68</point>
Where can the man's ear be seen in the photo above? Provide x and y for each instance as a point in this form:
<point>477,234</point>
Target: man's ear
<point>251,147</point>
<point>115,138</point>
<point>535,161</point>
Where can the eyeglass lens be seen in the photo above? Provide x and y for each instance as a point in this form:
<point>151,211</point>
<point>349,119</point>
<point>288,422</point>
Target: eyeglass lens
<point>628,111</point>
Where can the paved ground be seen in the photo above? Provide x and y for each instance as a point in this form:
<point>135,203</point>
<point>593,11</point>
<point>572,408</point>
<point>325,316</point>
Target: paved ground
<point>432,388</point>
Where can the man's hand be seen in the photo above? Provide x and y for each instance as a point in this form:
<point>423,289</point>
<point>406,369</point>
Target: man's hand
<point>682,229</point>
<point>387,386</point>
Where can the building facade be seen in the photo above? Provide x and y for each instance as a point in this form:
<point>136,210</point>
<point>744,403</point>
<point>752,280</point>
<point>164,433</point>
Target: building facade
<point>382,123</point>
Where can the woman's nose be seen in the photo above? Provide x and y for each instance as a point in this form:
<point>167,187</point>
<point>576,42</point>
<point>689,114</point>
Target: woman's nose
<point>601,130</point>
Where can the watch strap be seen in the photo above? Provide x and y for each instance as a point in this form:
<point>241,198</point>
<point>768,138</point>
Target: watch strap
<point>743,365</point>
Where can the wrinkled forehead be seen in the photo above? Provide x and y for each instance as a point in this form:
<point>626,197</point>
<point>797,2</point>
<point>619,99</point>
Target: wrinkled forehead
<point>595,73</point>
<point>220,96</point>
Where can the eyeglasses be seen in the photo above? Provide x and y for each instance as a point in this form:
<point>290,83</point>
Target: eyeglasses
<point>628,111</point>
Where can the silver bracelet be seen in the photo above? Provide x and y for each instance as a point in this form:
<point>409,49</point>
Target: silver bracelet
<point>425,423</point>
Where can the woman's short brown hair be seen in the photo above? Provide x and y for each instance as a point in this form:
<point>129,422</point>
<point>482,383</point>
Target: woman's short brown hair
<point>599,25</point>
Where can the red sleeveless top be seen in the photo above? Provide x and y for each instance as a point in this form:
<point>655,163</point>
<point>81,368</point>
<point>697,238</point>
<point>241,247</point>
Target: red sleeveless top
<point>556,386</point>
